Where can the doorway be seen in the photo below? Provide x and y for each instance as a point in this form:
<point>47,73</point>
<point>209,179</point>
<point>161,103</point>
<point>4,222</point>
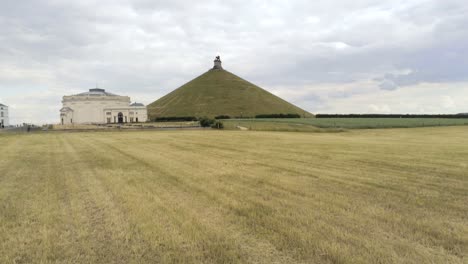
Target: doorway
<point>120,118</point>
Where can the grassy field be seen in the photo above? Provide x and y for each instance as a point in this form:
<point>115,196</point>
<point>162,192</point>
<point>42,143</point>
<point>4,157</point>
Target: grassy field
<point>273,125</point>
<point>364,196</point>
<point>279,123</point>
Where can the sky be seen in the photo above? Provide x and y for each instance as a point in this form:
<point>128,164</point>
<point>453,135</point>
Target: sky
<point>360,56</point>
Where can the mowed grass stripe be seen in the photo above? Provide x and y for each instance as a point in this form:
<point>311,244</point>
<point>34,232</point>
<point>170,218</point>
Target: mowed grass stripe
<point>110,236</point>
<point>12,179</point>
<point>31,234</point>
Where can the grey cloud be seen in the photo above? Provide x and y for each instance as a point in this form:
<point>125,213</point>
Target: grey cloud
<point>388,85</point>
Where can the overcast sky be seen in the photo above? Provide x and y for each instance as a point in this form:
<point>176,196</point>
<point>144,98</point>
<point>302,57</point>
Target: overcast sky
<point>359,56</point>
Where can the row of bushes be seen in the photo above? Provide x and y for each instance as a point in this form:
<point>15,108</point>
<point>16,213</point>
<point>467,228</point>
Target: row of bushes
<point>388,116</point>
<point>175,118</point>
<point>222,117</point>
<point>215,123</point>
<point>192,118</point>
<point>262,116</point>
<point>279,116</point>
<point>204,121</point>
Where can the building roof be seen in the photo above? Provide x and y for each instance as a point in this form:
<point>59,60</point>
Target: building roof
<point>2,104</point>
<point>66,109</point>
<point>137,104</point>
<point>96,92</point>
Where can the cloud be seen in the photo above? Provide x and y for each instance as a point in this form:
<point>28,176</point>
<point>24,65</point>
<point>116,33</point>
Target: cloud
<point>448,102</point>
<point>388,85</point>
<point>143,48</point>
<point>379,109</point>
<point>423,98</point>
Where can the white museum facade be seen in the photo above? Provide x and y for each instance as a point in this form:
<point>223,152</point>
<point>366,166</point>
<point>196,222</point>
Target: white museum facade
<point>4,122</point>
<point>100,107</point>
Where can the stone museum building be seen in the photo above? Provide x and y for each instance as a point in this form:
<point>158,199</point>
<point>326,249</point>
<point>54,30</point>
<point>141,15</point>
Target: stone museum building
<point>99,107</point>
<point>4,122</point>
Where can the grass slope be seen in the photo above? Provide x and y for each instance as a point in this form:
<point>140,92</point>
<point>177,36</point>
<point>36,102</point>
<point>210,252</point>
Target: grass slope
<point>365,196</point>
<point>219,92</point>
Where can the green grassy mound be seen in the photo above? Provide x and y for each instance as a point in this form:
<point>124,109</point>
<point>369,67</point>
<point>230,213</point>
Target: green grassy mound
<point>219,92</point>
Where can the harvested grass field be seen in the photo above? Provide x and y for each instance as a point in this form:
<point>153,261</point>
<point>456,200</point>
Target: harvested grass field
<point>364,196</point>
<point>293,124</point>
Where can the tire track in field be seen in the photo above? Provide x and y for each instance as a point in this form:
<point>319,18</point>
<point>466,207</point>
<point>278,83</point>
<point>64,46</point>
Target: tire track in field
<point>175,214</point>
<point>11,212</point>
<point>35,190</point>
<point>108,228</point>
<point>184,212</point>
<point>9,150</point>
<point>174,218</point>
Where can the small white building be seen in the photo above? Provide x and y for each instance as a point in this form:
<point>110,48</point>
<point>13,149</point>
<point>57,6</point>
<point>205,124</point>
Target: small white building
<point>4,122</point>
<point>99,107</point>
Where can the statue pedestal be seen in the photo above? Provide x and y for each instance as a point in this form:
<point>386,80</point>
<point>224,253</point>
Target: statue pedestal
<point>217,65</point>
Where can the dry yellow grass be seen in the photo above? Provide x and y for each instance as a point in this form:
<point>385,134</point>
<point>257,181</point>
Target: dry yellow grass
<point>365,196</point>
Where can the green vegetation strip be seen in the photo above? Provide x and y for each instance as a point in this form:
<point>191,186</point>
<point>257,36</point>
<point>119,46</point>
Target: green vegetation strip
<point>346,123</point>
<point>365,196</point>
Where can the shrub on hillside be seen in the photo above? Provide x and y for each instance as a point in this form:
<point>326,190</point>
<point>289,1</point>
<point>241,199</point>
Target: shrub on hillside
<point>217,125</point>
<point>222,117</point>
<point>206,122</point>
<point>278,116</point>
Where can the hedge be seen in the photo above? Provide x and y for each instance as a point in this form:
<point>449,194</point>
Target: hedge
<point>278,116</point>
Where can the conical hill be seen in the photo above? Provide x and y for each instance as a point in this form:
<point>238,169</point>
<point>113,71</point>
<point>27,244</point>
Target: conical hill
<point>219,92</point>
